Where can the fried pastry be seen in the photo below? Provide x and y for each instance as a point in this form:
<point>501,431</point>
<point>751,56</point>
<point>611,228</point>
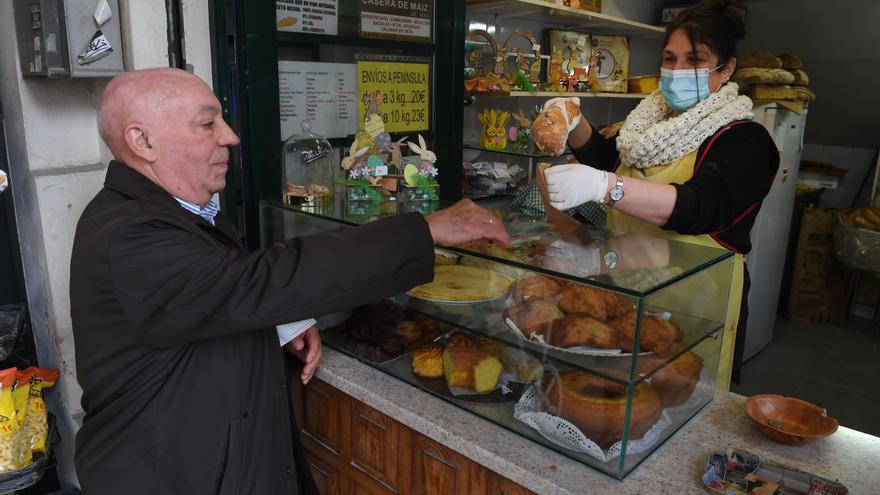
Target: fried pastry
<point>657,335</point>
<point>582,330</point>
<point>598,303</point>
<point>428,361</point>
<point>537,286</point>
<point>534,316</point>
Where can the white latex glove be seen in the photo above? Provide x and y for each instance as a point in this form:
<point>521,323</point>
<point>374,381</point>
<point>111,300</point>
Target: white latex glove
<point>572,258</point>
<point>559,102</point>
<point>572,185</point>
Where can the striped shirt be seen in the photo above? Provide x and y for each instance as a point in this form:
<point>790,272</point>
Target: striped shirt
<point>208,212</point>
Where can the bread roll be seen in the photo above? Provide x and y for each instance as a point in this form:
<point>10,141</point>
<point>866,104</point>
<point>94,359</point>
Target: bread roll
<point>770,92</point>
<point>754,75</point>
<point>761,59</point>
<point>800,77</point>
<point>790,61</point>
<point>804,94</point>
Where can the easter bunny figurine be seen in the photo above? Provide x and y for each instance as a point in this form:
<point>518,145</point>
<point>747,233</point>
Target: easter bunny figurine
<point>524,134</point>
<point>494,133</point>
<point>396,155</point>
<point>428,158</point>
<point>355,162</point>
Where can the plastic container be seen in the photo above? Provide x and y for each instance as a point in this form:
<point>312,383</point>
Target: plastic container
<point>857,248</point>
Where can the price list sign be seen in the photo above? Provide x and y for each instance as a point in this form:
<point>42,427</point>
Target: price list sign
<point>403,94</point>
<point>397,19</point>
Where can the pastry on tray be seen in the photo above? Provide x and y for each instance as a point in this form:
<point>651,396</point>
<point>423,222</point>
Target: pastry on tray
<point>657,335</point>
<point>580,330</point>
<point>600,304</point>
<point>536,315</point>
<point>427,361</point>
<point>471,369</point>
<point>457,283</point>
<point>537,285</point>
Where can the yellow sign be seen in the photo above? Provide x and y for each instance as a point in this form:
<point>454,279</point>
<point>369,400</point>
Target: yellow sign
<point>396,91</point>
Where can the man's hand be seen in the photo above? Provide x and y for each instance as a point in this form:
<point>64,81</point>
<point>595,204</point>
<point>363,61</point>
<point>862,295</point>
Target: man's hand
<point>465,221</point>
<point>307,347</point>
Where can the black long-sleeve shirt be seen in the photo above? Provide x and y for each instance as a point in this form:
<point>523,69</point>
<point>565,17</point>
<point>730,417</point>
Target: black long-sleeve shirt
<point>725,193</point>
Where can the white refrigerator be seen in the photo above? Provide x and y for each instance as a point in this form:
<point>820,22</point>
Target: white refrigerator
<point>770,233</point>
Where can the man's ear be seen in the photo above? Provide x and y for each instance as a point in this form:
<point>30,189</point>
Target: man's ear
<point>138,141</point>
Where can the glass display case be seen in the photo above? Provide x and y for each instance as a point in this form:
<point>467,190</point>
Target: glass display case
<point>598,345</point>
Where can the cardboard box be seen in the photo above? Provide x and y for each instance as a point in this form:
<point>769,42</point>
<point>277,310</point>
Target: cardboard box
<point>817,293</point>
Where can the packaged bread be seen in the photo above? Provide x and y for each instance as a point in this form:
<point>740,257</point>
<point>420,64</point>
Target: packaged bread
<point>800,77</point>
<point>36,423</point>
<point>772,92</point>
<point>756,75</point>
<point>790,61</point>
<point>20,394</point>
<point>8,427</point>
<point>761,59</point>
<point>609,62</point>
<point>643,84</point>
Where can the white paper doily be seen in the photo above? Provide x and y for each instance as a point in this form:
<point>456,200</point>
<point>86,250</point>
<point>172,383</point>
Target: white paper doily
<point>563,433</point>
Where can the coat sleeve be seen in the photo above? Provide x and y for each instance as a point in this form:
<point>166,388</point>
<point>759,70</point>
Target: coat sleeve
<point>598,152</point>
<point>736,173</point>
<point>177,288</point>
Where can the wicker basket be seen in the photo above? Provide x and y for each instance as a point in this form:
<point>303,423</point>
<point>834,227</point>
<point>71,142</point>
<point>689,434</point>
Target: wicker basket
<point>857,248</point>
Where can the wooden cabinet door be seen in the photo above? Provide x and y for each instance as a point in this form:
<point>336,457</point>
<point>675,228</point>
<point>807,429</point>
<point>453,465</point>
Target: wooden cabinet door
<point>437,470</point>
<point>379,447</point>
<point>499,485</point>
<point>322,418</point>
<point>326,478</point>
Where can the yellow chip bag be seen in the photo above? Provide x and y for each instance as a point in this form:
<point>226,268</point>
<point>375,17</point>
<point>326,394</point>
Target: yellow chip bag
<point>8,430</point>
<point>20,394</point>
<point>36,424</point>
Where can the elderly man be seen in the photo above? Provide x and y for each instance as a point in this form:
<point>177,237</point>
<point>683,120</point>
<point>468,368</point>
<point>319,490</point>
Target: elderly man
<point>184,383</point>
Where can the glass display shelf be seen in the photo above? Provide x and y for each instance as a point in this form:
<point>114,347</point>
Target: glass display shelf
<point>530,152</point>
<point>554,94</point>
<point>600,358</point>
<point>547,12</point>
<point>642,264</point>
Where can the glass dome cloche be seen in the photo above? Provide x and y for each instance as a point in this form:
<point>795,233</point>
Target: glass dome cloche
<point>308,168</point>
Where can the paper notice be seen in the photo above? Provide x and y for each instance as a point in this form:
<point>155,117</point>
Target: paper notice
<point>98,48</point>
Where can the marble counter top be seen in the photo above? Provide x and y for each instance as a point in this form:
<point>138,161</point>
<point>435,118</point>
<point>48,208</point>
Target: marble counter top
<point>676,467</point>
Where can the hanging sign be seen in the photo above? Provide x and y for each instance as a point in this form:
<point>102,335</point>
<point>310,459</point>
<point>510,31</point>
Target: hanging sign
<point>307,16</point>
<point>397,19</point>
<point>395,91</point>
<point>322,93</point>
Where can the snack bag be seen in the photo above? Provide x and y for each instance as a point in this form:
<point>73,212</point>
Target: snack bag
<point>20,394</point>
<point>37,424</point>
<point>8,428</point>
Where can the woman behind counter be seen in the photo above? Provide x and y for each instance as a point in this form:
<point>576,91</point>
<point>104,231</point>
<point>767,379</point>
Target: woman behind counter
<point>688,163</point>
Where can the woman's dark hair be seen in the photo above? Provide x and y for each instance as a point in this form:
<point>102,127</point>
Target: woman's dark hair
<point>715,23</point>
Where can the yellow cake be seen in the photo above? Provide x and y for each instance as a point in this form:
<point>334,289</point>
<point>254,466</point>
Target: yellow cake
<point>471,369</point>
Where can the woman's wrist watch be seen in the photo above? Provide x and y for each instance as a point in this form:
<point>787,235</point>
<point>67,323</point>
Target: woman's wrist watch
<point>616,192</point>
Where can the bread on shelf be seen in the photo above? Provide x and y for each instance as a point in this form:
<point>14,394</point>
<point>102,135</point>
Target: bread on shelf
<point>772,92</point>
<point>471,369</point>
<point>579,330</point>
<point>536,315</point>
<point>790,61</point>
<point>758,75</point>
<point>761,59</point>
<point>800,77</point>
<point>600,304</point>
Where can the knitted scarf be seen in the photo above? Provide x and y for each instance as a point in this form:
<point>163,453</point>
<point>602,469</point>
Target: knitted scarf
<point>649,137</point>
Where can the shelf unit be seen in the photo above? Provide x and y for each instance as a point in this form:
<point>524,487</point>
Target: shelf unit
<point>573,19</point>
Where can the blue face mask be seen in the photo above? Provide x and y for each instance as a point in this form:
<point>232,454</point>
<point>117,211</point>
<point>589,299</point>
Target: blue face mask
<point>684,88</point>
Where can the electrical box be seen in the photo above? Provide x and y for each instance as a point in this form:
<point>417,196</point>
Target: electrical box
<point>69,38</point>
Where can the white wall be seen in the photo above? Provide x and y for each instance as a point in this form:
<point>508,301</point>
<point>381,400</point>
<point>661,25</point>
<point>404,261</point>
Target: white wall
<point>840,48</point>
<point>57,163</point>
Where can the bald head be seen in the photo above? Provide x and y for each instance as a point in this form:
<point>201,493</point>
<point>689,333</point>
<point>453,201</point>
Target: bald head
<point>144,96</point>
<point>168,125</point>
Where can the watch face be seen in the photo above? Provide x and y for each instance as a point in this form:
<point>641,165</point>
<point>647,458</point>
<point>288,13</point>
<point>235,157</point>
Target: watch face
<point>617,193</point>
<point>610,259</point>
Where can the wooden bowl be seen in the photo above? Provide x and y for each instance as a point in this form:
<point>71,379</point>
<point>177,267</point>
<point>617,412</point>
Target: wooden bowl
<point>788,420</point>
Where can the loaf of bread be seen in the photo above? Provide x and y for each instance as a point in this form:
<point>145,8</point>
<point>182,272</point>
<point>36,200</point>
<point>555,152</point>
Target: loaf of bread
<point>550,127</point>
<point>755,75</point>
<point>471,369</point>
<point>804,94</point>
<point>772,92</point>
<point>800,77</point>
<point>790,61</point>
<point>761,59</point>
<point>643,84</point>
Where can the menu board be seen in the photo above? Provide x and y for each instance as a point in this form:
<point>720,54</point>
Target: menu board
<point>398,91</point>
<point>397,19</point>
<point>307,16</point>
<point>324,93</point>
